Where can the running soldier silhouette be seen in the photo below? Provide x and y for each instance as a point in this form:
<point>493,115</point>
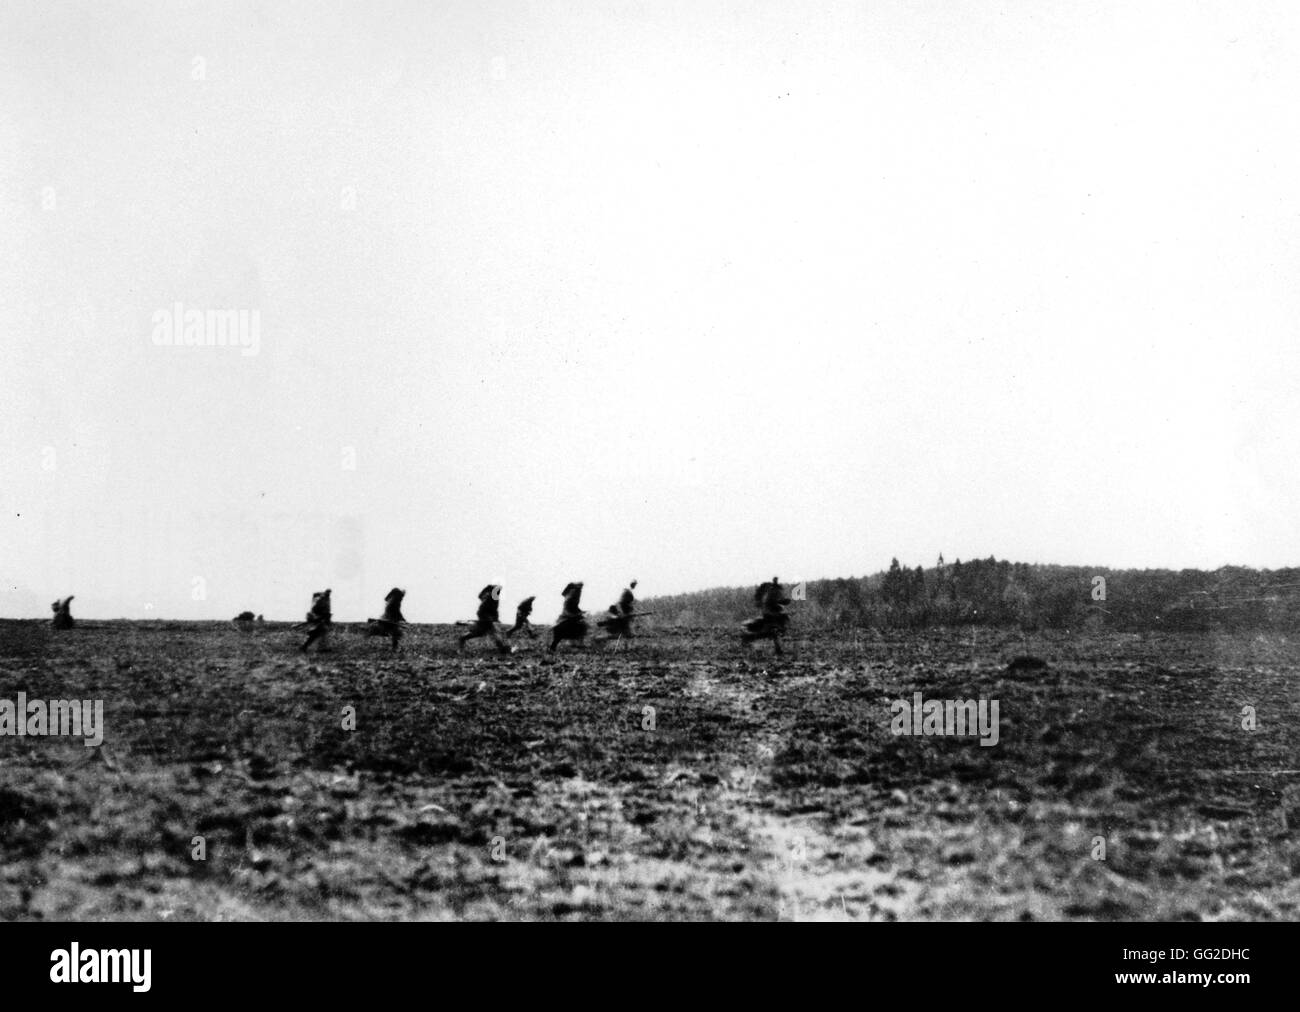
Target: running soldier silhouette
<point>772,623</point>
<point>617,622</point>
<point>391,623</point>
<point>488,616</point>
<point>522,624</point>
<point>319,621</point>
<point>572,623</point>
<point>62,613</point>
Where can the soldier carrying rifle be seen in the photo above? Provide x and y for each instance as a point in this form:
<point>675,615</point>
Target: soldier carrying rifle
<point>617,622</point>
<point>771,624</point>
<point>572,623</point>
<point>319,621</point>
<point>522,614</point>
<point>486,622</point>
<point>392,621</point>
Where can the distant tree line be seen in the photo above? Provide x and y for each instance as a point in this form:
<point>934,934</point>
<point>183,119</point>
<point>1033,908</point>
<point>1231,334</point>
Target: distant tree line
<point>1001,593</point>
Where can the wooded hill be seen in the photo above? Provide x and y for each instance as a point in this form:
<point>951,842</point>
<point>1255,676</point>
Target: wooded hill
<point>1002,593</point>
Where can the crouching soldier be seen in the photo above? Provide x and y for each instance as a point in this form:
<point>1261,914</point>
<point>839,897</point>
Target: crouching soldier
<point>617,622</point>
<point>771,624</point>
<point>319,621</point>
<point>62,613</point>
<point>572,623</point>
<point>488,616</point>
<point>522,613</point>
<point>392,622</point>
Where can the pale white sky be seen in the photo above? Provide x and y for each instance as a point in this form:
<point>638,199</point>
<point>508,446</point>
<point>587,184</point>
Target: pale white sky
<point>694,292</point>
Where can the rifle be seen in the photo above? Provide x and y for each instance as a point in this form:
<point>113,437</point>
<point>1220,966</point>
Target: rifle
<point>618,616</point>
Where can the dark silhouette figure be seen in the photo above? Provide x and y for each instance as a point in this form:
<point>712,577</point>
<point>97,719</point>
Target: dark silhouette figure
<point>489,613</point>
<point>522,614</point>
<point>572,623</point>
<point>319,621</point>
<point>773,621</point>
<point>62,613</point>
<point>617,622</point>
<point>391,623</point>
<point>244,616</point>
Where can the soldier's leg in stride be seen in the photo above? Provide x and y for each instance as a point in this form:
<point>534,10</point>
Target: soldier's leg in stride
<point>317,633</point>
<point>499,640</point>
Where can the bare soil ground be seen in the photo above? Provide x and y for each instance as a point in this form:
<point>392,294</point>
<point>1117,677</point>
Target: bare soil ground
<point>685,778</point>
